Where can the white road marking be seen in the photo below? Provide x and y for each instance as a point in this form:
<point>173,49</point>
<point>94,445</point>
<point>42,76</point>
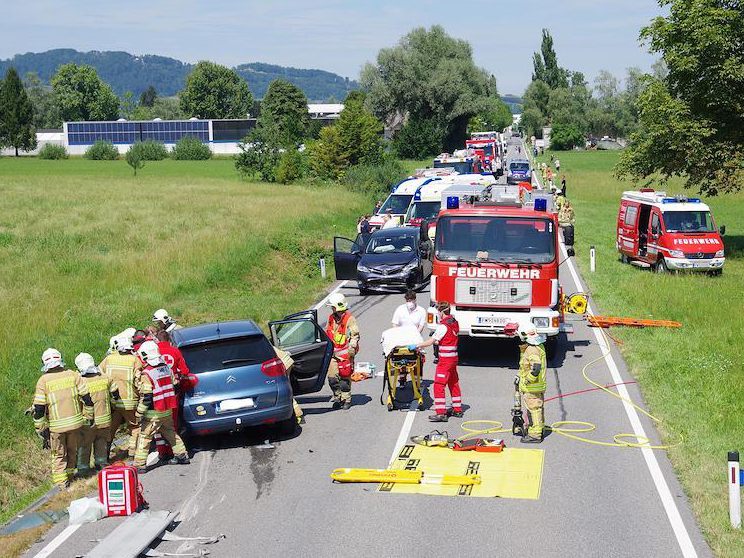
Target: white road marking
<point>323,302</point>
<point>57,541</point>
<point>405,431</point>
<point>667,500</point>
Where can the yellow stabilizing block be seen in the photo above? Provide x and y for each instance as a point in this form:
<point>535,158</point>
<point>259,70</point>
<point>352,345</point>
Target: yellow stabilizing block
<point>512,473</point>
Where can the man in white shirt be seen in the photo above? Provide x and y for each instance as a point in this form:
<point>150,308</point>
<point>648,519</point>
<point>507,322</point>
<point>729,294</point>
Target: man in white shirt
<point>410,313</point>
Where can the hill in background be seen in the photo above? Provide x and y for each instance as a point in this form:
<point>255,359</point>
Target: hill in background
<point>126,72</point>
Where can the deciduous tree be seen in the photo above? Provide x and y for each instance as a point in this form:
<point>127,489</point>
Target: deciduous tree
<point>286,105</point>
<point>81,95</point>
<point>214,91</point>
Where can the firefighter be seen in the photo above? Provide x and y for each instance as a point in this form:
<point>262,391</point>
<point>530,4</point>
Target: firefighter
<point>532,384</point>
<point>445,375</point>
<point>186,381</point>
<point>97,436</point>
<point>288,362</point>
<point>155,409</point>
<point>123,368</point>
<point>343,331</point>
<point>164,321</point>
<point>566,216</point>
<point>58,415</point>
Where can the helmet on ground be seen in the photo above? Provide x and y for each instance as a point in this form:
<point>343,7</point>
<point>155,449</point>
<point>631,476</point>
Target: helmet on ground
<point>123,344</point>
<point>150,353</point>
<point>528,334</point>
<point>50,359</point>
<point>337,301</point>
<point>162,317</point>
<point>85,364</point>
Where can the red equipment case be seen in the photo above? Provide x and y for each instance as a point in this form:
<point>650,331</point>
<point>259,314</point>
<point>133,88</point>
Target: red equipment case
<point>119,490</point>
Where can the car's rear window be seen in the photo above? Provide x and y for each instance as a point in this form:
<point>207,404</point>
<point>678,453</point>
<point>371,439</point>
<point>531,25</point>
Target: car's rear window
<point>227,353</point>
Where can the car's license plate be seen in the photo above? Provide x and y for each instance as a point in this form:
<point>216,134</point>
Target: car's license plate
<point>235,404</point>
<point>491,320</point>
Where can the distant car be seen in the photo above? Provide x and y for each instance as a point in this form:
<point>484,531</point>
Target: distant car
<point>242,383</point>
<point>518,171</point>
<point>391,259</point>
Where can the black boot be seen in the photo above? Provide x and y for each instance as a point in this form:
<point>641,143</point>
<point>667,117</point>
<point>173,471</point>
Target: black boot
<point>530,440</point>
<point>438,418</point>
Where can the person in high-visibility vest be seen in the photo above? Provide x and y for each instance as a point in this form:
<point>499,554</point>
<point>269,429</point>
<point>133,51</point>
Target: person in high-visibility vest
<point>446,335</point>
<point>96,437</point>
<point>155,407</point>
<point>62,405</point>
<point>123,368</point>
<point>343,331</point>
<point>532,382</point>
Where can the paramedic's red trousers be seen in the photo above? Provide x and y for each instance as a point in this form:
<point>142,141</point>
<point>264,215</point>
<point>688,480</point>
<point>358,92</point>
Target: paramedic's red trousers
<point>446,376</point>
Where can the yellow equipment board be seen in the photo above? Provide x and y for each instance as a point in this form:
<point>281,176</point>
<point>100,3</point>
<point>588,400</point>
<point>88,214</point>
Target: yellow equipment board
<point>512,473</point>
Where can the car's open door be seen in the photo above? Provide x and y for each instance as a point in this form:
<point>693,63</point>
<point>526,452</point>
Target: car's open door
<point>307,343</point>
<point>346,256</point>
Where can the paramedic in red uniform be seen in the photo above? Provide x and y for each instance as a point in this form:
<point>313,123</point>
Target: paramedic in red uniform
<point>445,375</point>
<point>173,357</point>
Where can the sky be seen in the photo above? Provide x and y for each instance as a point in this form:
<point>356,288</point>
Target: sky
<point>334,35</point>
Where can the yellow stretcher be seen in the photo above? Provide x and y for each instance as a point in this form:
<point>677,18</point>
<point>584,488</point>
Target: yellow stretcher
<point>402,363</point>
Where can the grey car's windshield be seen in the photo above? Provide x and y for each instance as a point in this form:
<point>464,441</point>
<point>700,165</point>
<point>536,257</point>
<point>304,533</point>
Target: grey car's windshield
<point>391,244</point>
<point>499,239</point>
<point>688,221</point>
<point>519,166</point>
<point>396,203</point>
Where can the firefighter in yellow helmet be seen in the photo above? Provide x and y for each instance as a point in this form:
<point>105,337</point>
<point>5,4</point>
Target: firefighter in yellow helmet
<point>124,368</point>
<point>62,406</point>
<point>343,331</point>
<point>532,383</point>
<point>96,437</point>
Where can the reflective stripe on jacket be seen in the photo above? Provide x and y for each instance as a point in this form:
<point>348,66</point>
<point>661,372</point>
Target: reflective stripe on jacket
<point>448,343</point>
<point>100,388</point>
<point>159,382</point>
<point>124,371</point>
<point>61,393</point>
<point>532,355</point>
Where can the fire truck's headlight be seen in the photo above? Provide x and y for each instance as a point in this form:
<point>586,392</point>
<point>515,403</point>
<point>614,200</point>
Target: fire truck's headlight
<point>677,253</point>
<point>541,322</point>
<point>719,254</point>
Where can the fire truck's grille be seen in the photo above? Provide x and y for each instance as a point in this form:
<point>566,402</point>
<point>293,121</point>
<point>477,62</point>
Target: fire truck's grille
<point>699,255</point>
<point>491,292</point>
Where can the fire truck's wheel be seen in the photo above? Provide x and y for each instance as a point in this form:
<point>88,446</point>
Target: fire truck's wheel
<point>624,259</point>
<point>715,273</point>
<point>661,266</point>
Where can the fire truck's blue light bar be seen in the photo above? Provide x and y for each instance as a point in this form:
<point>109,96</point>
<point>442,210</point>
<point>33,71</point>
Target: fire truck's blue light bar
<point>680,200</point>
<point>453,202</point>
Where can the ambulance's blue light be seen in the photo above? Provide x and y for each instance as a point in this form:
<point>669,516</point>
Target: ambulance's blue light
<point>693,200</point>
<point>417,196</point>
<point>453,202</point>
<point>541,204</point>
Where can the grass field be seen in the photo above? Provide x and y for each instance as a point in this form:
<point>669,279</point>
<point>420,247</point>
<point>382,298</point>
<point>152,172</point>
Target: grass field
<point>691,378</point>
<point>86,249</point>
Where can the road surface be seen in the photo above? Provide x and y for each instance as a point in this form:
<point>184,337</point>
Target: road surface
<point>595,501</point>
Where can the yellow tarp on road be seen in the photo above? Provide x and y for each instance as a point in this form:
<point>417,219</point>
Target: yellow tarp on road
<point>512,473</point>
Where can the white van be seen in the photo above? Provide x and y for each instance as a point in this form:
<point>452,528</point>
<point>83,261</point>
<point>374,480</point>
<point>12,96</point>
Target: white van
<point>397,203</point>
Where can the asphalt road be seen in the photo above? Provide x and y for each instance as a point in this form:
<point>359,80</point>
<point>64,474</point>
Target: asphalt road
<point>595,501</point>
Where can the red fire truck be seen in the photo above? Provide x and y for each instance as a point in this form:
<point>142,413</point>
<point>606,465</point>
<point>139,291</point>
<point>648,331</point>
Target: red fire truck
<point>489,150</point>
<point>496,262</point>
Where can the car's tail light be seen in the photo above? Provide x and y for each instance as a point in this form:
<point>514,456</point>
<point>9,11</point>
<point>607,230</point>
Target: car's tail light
<point>273,368</point>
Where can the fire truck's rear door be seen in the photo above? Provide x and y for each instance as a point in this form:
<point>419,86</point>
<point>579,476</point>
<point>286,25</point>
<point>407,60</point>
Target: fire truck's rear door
<point>346,256</point>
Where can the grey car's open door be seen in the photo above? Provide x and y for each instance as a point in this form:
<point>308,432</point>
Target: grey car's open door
<point>303,338</point>
<point>346,256</point>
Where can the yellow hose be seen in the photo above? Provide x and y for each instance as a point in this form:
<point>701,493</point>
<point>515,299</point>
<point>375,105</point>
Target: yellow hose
<point>570,428</point>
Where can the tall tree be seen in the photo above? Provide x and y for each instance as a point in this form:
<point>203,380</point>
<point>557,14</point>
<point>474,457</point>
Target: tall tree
<point>214,91</point>
<point>692,120</point>
<point>554,75</point>
<point>16,114</point>
<point>46,111</point>
<point>81,95</point>
<point>286,105</point>
<point>428,75</point>
<point>148,97</point>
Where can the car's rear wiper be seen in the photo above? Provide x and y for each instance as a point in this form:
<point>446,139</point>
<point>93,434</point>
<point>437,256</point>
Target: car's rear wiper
<point>237,360</point>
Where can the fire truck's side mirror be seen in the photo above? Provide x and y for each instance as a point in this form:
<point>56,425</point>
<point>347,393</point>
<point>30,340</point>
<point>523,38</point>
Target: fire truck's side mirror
<point>722,230</point>
<point>570,251</point>
<point>655,230</point>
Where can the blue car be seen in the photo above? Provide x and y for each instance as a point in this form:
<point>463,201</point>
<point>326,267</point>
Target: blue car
<point>518,171</point>
<point>242,383</point>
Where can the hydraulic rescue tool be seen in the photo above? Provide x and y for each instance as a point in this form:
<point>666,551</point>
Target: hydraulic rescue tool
<point>517,416</point>
<point>401,476</point>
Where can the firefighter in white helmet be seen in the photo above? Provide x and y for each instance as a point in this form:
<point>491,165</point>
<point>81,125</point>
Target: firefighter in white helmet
<point>155,409</point>
<point>532,383</point>
<point>343,331</point>
<point>97,436</point>
<point>163,320</point>
<point>62,405</point>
